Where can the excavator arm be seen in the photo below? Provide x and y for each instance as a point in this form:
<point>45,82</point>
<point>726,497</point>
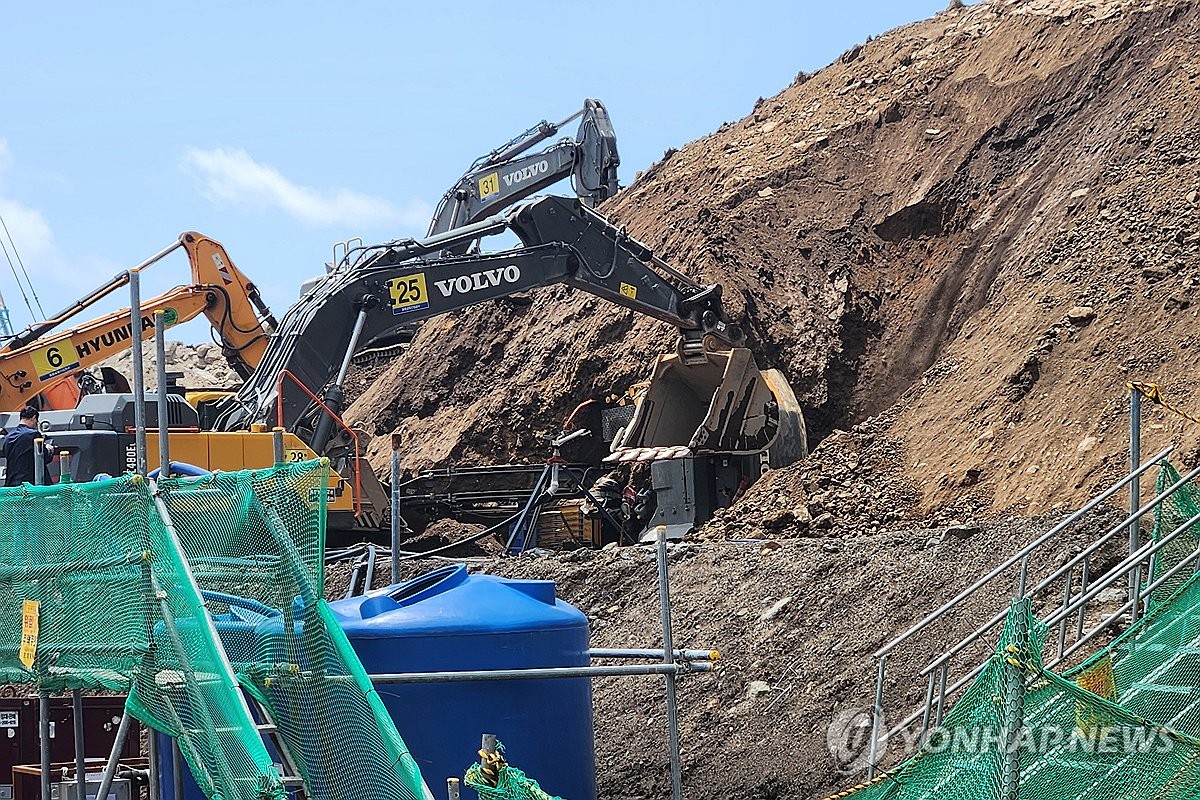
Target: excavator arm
<point>509,173</point>
<point>53,359</point>
<point>563,242</point>
<point>41,357</point>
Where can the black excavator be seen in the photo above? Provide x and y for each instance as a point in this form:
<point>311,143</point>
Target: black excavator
<point>510,173</point>
<point>709,421</point>
<point>496,181</point>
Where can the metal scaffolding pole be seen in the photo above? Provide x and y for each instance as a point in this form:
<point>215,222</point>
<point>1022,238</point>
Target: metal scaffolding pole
<point>139,381</point>
<point>44,740</point>
<point>1135,531</point>
<point>664,603</point>
<point>395,494</point>
<point>160,366</point>
<point>80,766</point>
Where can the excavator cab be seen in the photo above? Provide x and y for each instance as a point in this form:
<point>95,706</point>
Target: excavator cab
<point>709,428</point>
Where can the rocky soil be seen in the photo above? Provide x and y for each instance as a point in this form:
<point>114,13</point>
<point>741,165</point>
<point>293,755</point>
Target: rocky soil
<point>984,223</point>
<point>796,621</point>
<point>959,242</point>
<point>202,365</point>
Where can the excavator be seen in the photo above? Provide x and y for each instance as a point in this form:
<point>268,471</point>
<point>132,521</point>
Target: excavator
<point>507,175</point>
<point>41,361</point>
<point>708,423</point>
<point>33,363</point>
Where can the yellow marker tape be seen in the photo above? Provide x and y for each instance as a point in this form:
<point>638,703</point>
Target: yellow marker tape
<point>29,632</point>
<point>1153,393</point>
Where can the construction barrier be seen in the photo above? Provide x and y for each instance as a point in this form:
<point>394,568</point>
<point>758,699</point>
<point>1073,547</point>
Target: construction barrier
<point>196,598</point>
<point>1123,724</point>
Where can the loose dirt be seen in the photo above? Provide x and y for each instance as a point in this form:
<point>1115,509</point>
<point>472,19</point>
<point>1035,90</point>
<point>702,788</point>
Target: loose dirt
<point>959,242</point>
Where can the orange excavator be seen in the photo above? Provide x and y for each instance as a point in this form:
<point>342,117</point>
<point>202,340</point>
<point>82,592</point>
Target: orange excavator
<point>42,360</point>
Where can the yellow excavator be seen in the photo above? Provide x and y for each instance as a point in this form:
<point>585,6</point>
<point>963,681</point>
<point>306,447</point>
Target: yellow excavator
<point>43,365</point>
<point>42,360</point>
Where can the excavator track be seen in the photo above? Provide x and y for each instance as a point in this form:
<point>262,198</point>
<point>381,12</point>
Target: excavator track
<point>374,356</point>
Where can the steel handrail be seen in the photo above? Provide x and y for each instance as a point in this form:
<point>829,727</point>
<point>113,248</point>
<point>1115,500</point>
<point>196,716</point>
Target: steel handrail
<point>354,436</point>
<point>1112,576</point>
<point>1024,552</point>
<point>1134,560</point>
<point>1100,626</point>
<point>1149,506</point>
<point>1128,604</point>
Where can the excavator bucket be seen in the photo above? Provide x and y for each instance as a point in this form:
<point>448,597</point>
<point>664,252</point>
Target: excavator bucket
<point>724,405</point>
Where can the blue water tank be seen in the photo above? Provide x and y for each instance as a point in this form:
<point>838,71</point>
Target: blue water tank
<point>449,620</point>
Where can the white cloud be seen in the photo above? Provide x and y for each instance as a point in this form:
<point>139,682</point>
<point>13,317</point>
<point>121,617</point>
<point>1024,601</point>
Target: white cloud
<point>55,275</point>
<point>234,176</point>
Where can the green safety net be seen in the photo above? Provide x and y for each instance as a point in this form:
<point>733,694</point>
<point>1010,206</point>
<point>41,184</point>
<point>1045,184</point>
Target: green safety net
<point>1124,724</point>
<point>197,599</point>
<point>1181,508</point>
<point>255,542</point>
<point>117,609</point>
<point>502,781</point>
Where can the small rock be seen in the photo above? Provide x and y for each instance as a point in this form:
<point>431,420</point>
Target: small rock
<point>824,521</point>
<point>1113,594</point>
<point>963,531</point>
<point>1087,443</point>
<point>769,126</point>
<point>1078,193</point>
<point>756,688</point>
<point>778,520</point>
<point>767,192</point>
<point>831,546</point>
<point>933,131</point>
<point>1081,315</point>
<point>774,610</point>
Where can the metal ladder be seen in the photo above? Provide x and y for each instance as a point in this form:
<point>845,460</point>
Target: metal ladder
<point>289,774</point>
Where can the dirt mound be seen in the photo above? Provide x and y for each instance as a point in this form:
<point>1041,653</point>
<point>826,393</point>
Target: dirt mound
<point>787,617</point>
<point>202,365</point>
<point>988,217</point>
<point>958,242</point>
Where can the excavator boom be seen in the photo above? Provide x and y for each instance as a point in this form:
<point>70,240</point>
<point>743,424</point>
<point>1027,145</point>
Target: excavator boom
<point>54,359</point>
<point>710,390</point>
<point>41,358</point>
<point>509,174</point>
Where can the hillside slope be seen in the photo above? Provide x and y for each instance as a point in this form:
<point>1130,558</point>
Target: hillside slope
<point>959,242</point>
<point>985,221</point>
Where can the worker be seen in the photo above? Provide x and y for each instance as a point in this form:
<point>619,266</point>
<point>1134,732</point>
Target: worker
<point>18,450</point>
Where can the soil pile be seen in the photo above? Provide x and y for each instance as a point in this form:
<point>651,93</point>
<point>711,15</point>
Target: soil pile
<point>792,620</point>
<point>985,222</point>
<point>202,365</point>
<point>958,242</point>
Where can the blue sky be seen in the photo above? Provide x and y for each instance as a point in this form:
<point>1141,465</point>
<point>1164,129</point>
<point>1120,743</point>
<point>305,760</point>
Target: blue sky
<point>281,128</point>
